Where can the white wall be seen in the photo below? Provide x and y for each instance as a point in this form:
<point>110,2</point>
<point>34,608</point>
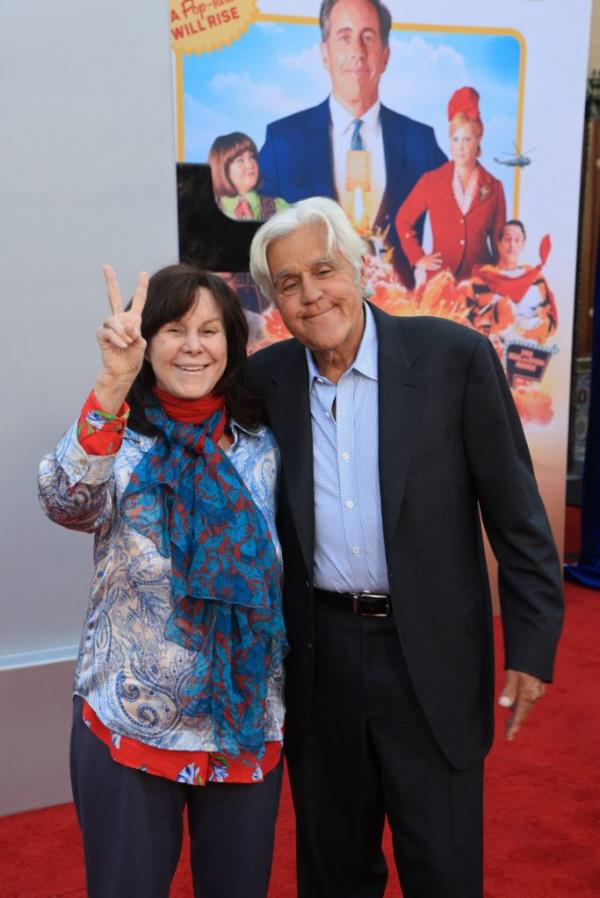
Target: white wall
<point>594,58</point>
<point>87,175</point>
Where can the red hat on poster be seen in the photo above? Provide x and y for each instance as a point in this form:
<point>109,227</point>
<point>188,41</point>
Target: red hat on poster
<point>464,101</point>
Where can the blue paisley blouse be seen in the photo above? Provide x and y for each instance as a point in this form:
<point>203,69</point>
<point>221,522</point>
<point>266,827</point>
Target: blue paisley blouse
<point>126,670</point>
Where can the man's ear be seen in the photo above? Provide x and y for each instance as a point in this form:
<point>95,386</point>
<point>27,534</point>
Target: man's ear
<point>386,58</point>
<point>363,275</point>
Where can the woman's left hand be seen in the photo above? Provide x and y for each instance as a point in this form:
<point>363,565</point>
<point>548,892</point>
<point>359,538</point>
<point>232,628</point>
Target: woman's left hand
<point>121,343</point>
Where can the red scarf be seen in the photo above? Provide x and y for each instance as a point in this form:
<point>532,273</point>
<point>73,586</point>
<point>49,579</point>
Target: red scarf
<point>193,411</point>
<point>516,287</point>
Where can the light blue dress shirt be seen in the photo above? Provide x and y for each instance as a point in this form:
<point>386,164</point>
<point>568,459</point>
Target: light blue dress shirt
<point>349,546</point>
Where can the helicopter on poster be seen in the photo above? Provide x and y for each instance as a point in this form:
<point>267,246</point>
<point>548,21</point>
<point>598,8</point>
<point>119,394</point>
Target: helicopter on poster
<point>516,159</point>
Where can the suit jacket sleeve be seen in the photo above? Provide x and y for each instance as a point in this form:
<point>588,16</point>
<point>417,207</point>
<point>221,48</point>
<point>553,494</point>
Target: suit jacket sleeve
<point>267,163</point>
<point>530,581</point>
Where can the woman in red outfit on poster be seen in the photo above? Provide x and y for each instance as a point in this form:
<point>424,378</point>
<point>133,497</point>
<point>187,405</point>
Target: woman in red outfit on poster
<point>466,204</point>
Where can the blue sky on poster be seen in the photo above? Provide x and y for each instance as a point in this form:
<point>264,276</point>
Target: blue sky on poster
<point>275,69</point>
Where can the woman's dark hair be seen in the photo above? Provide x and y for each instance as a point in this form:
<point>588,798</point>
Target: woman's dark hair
<point>172,292</point>
<point>224,150</point>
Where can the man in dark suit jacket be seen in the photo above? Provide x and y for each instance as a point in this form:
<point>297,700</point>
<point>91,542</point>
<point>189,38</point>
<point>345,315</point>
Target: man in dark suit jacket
<point>395,435</point>
<point>304,153</point>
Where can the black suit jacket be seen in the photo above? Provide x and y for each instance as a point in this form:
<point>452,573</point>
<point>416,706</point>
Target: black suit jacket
<point>450,446</point>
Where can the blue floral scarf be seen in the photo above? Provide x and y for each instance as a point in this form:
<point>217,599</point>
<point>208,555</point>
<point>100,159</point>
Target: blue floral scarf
<point>187,497</point>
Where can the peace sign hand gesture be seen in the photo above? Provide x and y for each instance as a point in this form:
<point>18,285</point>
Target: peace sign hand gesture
<point>121,343</point>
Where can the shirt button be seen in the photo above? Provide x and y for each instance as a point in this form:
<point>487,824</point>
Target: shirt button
<point>345,456</point>
<point>320,380</point>
<point>355,550</point>
<point>327,415</point>
<point>349,504</point>
<point>462,242</point>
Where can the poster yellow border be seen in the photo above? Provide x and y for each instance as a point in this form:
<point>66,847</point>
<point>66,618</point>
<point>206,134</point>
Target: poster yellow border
<point>414,26</point>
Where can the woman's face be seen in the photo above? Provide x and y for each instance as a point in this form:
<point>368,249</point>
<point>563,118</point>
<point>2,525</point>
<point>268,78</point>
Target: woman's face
<point>243,172</point>
<point>189,356</point>
<point>464,145</point>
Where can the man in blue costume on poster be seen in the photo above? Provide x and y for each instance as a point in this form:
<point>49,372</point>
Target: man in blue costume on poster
<point>351,147</point>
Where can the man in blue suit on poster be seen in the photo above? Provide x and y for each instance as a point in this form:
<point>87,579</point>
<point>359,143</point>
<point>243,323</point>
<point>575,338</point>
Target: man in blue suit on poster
<point>306,154</point>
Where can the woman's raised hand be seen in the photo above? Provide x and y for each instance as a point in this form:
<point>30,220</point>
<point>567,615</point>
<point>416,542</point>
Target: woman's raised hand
<point>121,343</point>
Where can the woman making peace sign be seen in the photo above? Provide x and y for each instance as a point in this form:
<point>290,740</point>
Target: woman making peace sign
<point>178,684</point>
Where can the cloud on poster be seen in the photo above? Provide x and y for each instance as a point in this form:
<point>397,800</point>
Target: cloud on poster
<point>421,77</point>
<point>203,123</point>
<point>270,27</point>
<point>309,64</point>
<point>236,87</point>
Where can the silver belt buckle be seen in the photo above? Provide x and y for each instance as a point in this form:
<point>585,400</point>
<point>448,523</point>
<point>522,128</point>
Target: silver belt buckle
<point>370,595</point>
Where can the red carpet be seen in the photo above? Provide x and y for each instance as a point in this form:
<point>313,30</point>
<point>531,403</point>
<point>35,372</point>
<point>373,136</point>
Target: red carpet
<point>542,799</point>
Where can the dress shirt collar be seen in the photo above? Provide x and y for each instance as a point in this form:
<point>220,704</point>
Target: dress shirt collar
<point>342,120</point>
<point>365,362</point>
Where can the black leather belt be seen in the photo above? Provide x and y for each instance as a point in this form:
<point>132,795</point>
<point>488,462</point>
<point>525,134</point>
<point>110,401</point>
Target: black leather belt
<point>367,604</point>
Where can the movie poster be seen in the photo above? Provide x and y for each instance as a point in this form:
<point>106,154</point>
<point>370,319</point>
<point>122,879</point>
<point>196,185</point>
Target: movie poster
<point>450,136</point>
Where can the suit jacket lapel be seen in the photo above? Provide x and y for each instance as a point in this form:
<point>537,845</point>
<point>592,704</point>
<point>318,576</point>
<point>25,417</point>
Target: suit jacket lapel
<point>318,152</point>
<point>400,402</point>
<point>484,190</point>
<point>444,188</point>
<point>394,151</point>
<point>289,413</point>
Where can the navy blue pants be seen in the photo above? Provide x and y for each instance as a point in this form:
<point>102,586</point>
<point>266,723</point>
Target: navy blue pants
<point>132,827</point>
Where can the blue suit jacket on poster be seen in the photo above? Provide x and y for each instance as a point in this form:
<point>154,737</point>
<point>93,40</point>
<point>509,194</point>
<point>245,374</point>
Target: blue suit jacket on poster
<point>296,162</point>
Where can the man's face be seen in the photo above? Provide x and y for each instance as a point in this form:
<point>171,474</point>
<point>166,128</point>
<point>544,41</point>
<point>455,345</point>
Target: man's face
<point>510,246</point>
<point>354,55</point>
<point>316,292</point>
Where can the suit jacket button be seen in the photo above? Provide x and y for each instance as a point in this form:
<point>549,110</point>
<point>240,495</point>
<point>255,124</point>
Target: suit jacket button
<point>309,646</point>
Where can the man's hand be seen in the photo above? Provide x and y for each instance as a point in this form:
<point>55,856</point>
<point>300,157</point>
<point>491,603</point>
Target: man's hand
<point>520,693</point>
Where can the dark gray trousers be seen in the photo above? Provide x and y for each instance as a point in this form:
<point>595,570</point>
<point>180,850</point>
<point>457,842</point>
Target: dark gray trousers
<point>132,827</point>
<point>367,753</point>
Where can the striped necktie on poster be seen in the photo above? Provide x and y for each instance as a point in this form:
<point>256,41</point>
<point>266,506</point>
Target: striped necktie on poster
<point>356,141</point>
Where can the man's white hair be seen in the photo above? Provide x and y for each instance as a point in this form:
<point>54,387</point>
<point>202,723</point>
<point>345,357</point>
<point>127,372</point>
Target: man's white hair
<point>316,211</point>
